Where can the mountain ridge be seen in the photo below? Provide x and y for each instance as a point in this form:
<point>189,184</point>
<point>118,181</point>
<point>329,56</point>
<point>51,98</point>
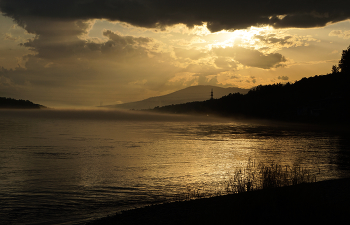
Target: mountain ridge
<point>189,94</point>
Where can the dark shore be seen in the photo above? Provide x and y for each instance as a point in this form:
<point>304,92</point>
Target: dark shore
<point>325,202</point>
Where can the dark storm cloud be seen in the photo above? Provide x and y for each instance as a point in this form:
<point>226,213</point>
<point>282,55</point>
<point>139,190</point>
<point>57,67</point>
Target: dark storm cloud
<point>125,46</point>
<point>56,39</point>
<point>60,39</point>
<point>222,14</point>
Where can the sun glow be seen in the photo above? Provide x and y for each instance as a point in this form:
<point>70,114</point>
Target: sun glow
<point>243,38</point>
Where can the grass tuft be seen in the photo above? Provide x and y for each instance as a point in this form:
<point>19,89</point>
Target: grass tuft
<point>253,177</point>
<point>267,176</point>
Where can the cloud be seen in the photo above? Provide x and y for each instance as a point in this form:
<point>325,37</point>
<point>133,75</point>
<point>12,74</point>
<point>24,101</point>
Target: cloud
<point>335,52</point>
<point>65,39</point>
<point>82,72</point>
<point>272,39</point>
<point>283,78</point>
<point>15,34</point>
<point>69,59</point>
<point>124,46</point>
<point>251,57</point>
<point>56,39</point>
<point>191,53</point>
<point>207,80</point>
<point>276,40</point>
<point>158,14</point>
<point>225,62</point>
<point>10,37</point>
<point>70,66</point>
<point>126,40</point>
<point>341,34</point>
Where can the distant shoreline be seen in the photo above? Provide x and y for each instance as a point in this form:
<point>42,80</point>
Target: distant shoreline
<point>10,103</point>
<point>321,202</point>
<point>162,116</point>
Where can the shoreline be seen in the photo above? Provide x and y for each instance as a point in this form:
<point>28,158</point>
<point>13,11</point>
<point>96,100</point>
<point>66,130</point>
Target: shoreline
<point>320,202</point>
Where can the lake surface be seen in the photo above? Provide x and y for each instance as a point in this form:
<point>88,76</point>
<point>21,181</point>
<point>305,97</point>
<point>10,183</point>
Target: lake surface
<point>68,167</point>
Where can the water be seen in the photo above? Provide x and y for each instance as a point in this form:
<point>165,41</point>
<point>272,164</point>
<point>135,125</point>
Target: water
<point>68,167</point>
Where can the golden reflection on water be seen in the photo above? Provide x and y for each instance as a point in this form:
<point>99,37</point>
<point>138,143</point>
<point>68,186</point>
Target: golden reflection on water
<point>123,162</point>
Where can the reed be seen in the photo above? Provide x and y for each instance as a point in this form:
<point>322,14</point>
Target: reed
<point>253,177</point>
<point>262,176</point>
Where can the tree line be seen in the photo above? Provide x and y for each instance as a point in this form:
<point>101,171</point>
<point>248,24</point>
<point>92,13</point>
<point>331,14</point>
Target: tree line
<point>10,103</point>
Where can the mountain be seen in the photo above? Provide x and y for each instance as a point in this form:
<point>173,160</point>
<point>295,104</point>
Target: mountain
<point>189,94</point>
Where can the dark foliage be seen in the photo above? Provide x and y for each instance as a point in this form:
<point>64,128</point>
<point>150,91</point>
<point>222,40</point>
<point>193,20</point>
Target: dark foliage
<point>335,69</point>
<point>10,103</point>
<point>344,63</point>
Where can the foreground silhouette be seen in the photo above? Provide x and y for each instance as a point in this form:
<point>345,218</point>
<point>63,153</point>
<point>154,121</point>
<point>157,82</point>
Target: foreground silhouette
<point>325,202</point>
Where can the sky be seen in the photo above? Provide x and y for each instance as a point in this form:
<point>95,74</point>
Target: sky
<point>82,53</point>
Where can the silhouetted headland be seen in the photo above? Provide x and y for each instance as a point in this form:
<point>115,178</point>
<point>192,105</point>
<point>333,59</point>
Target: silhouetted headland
<point>10,103</point>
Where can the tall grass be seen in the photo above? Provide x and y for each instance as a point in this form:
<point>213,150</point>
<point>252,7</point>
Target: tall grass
<point>262,176</point>
<point>254,177</point>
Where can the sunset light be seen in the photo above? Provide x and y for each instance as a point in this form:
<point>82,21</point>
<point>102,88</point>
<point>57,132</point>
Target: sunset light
<point>174,112</point>
<point>107,59</point>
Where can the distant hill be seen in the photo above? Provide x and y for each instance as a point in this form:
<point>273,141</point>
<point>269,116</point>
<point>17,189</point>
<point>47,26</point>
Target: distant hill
<point>315,99</point>
<point>10,103</point>
<point>189,94</point>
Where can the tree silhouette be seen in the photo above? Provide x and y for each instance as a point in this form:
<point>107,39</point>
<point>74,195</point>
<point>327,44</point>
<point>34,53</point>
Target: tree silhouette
<point>335,69</point>
<point>11,103</point>
<point>344,63</point>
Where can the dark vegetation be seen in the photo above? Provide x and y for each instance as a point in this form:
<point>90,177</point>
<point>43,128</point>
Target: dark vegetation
<point>313,203</point>
<point>260,177</point>
<point>322,98</point>
<point>254,177</point>
<point>298,199</point>
<point>10,103</point>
